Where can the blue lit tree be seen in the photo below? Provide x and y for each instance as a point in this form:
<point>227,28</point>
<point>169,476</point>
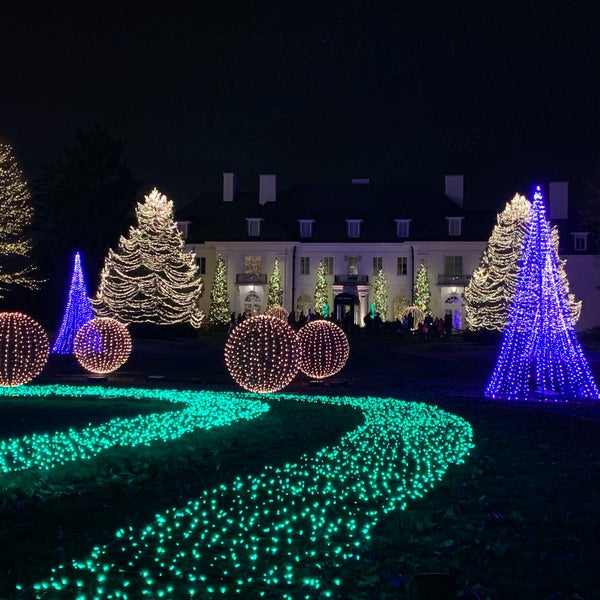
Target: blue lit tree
<point>540,355</point>
<point>77,312</point>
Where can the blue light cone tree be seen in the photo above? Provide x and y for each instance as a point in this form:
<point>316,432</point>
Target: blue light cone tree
<point>77,312</point>
<point>540,356</point>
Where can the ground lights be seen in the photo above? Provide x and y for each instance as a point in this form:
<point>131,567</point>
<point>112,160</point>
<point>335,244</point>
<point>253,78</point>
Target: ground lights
<point>279,532</point>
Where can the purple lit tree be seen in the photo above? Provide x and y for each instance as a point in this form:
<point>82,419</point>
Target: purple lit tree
<point>540,355</point>
<point>77,312</point>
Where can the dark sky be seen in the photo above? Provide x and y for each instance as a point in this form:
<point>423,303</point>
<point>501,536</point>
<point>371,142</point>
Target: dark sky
<point>504,92</point>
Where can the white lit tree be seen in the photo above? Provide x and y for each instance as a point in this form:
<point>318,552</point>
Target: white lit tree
<point>381,293</point>
<point>492,286</point>
<point>275,296</point>
<point>149,278</point>
<point>16,214</point>
<point>422,289</point>
<point>321,289</point>
<point>219,313</point>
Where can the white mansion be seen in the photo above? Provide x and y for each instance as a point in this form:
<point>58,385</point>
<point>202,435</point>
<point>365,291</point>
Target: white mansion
<point>355,229</point>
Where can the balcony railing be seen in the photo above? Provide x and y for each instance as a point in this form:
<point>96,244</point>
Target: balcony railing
<point>251,279</point>
<point>453,279</point>
<point>350,279</point>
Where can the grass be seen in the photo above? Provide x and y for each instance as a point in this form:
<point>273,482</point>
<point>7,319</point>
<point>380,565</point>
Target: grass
<point>518,520</point>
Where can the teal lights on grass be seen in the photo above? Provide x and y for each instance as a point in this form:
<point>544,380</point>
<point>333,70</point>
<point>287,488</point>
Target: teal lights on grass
<point>286,530</point>
<point>198,410</point>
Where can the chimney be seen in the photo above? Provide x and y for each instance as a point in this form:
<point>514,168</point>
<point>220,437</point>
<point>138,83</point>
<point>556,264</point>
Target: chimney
<point>229,186</point>
<point>267,190</point>
<point>558,200</point>
<point>455,189</point>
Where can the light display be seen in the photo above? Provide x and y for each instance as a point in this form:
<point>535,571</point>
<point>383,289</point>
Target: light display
<point>415,314</point>
<point>15,220</point>
<point>78,311</point>
<point>279,313</point>
<point>218,313</point>
<point>193,410</point>
<point>493,283</point>
<point>262,354</point>
<point>321,289</point>
<point>102,345</point>
<point>422,289</point>
<point>540,356</point>
<point>23,348</point>
<point>279,533</point>
<point>381,294</point>
<point>149,278</point>
<point>275,295</point>
<point>325,349</point>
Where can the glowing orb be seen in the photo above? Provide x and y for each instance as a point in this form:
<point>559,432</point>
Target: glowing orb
<point>278,312</point>
<point>262,354</point>
<point>325,348</point>
<point>102,345</point>
<point>24,348</point>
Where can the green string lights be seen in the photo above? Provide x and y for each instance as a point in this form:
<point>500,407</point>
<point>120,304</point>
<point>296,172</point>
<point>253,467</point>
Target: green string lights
<point>279,532</point>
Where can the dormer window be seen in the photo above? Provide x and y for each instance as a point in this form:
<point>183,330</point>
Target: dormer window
<point>454,225</point>
<point>353,227</point>
<point>402,227</point>
<point>253,227</point>
<point>580,240</point>
<point>184,227</point>
<point>306,226</point>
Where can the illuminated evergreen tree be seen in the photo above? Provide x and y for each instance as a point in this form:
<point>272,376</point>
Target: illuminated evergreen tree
<point>275,296</point>
<point>219,313</point>
<point>540,355</point>
<point>381,292</point>
<point>321,289</point>
<point>149,278</point>
<point>16,214</point>
<point>422,289</point>
<point>78,311</point>
<point>492,286</point>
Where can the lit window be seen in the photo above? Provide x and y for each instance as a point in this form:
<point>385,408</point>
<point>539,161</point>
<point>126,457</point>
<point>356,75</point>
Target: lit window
<point>306,226</point>
<point>402,268</point>
<point>353,226</point>
<point>328,264</point>
<point>402,227</point>
<point>304,265</point>
<point>377,264</point>
<point>454,225</point>
<point>580,241</point>
<point>253,227</point>
<point>253,265</point>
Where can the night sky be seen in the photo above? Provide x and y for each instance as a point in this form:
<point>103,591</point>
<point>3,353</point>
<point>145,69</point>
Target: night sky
<point>506,93</point>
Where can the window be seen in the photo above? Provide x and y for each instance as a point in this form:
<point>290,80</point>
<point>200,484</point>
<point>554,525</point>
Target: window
<point>353,265</point>
<point>454,225</point>
<point>306,226</point>
<point>402,227</point>
<point>184,228</point>
<point>353,227</point>
<point>328,264</point>
<point>377,264</point>
<point>252,265</point>
<point>402,266</point>
<point>453,265</point>
<point>253,227</point>
<point>201,262</point>
<point>580,241</point>
<point>304,265</point>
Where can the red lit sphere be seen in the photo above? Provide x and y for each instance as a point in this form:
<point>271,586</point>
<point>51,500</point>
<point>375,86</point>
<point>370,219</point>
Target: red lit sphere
<point>262,354</point>
<point>325,348</point>
<point>24,348</point>
<point>102,345</point>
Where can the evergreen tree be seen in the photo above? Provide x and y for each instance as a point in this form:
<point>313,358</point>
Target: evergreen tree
<point>78,311</point>
<point>381,292</point>
<point>275,296</point>
<point>492,286</point>
<point>219,313</point>
<point>16,214</point>
<point>540,355</point>
<point>422,289</point>
<point>321,289</point>
<point>149,278</point>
